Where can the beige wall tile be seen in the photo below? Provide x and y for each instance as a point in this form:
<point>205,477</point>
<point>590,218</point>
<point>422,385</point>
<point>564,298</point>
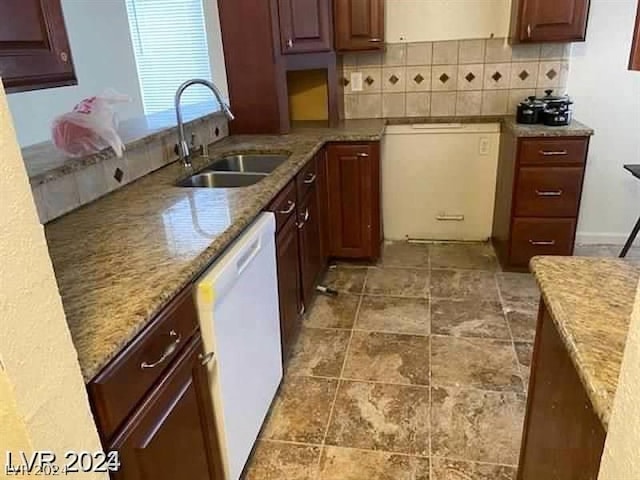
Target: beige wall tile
<point>553,74</point>
<point>393,105</point>
<point>494,102</point>
<point>393,79</point>
<point>60,196</point>
<point>111,168</point>
<point>363,106</point>
<point>470,77</point>
<point>350,106</point>
<point>445,53</point>
<point>395,54</point>
<point>346,75</point>
<point>443,104</point>
<point>139,162</point>
<point>497,82</point>
<point>471,51</point>
<point>498,50</point>
<point>418,78</point>
<point>525,52</point>
<point>444,78</point>
<point>524,75</point>
<point>469,103</point>
<point>555,51</point>
<point>369,59</point>
<point>91,183</point>
<point>371,79</point>
<point>419,53</point>
<point>418,104</point>
<point>349,59</point>
<point>516,96</point>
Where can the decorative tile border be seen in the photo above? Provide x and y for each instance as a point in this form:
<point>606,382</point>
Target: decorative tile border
<point>453,78</point>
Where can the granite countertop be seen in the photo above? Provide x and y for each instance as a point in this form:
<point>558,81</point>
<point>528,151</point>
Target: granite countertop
<point>119,260</point>
<point>574,129</point>
<point>590,301</point>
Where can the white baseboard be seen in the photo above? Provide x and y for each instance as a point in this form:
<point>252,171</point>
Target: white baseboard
<point>589,238</point>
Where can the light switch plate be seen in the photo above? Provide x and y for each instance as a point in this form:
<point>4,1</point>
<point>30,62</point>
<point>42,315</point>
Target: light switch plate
<point>484,146</point>
<point>356,81</point>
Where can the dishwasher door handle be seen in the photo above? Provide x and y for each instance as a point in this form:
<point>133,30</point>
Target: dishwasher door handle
<point>251,253</point>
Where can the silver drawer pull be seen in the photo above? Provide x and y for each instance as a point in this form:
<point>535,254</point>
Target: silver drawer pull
<point>549,193</point>
<point>542,243</point>
<point>206,357</point>
<point>553,153</point>
<point>290,207</point>
<point>310,179</point>
<point>362,154</point>
<point>170,350</point>
<point>450,218</point>
<point>304,219</point>
<point>375,40</point>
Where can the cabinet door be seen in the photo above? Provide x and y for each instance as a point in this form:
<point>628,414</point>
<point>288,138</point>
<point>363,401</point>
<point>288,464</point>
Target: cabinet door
<point>359,24</point>
<point>552,20</point>
<point>304,25</point>
<point>34,49</point>
<point>354,200</point>
<point>310,244</point>
<point>323,208</point>
<point>172,434</point>
<point>289,283</point>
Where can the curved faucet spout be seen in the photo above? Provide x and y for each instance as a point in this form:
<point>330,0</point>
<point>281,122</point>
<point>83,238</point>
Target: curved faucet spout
<point>184,151</point>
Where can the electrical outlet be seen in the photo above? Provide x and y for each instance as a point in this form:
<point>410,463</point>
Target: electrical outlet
<point>484,146</point>
<point>356,81</point>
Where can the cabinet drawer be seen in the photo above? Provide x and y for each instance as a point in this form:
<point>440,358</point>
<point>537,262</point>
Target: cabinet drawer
<point>284,205</point>
<point>548,191</point>
<point>123,383</point>
<point>541,236</point>
<point>553,151</point>
<point>307,177</point>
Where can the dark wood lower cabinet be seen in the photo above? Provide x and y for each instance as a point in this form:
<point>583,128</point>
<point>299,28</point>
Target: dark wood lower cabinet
<point>563,437</point>
<point>311,262</point>
<point>172,433</point>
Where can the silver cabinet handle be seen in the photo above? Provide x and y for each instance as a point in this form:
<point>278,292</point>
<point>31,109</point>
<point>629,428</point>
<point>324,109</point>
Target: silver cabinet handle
<point>310,179</point>
<point>542,243</point>
<point>289,43</point>
<point>362,154</point>
<point>549,193</point>
<point>206,357</point>
<point>290,207</point>
<point>529,30</point>
<point>375,40</point>
<point>450,218</point>
<point>553,153</point>
<point>304,219</point>
<point>170,350</point>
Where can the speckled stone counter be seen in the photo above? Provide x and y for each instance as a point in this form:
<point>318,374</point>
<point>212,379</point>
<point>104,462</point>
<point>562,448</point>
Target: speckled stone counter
<point>119,260</point>
<point>590,301</point>
<point>574,129</point>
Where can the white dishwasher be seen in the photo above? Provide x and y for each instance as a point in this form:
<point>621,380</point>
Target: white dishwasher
<point>237,301</point>
<point>439,180</point>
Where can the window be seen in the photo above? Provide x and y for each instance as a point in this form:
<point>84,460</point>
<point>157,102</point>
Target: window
<point>170,46</point>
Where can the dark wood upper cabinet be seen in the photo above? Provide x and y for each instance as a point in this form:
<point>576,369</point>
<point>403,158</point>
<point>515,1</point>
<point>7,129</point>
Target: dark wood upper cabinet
<point>536,21</point>
<point>305,25</point>
<point>634,61</point>
<point>354,200</point>
<point>172,435</point>
<point>359,24</point>
<point>34,48</point>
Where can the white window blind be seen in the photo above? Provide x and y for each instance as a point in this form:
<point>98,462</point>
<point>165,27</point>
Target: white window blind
<point>170,46</point>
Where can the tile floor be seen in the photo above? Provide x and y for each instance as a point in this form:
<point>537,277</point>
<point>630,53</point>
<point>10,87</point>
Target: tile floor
<point>416,371</point>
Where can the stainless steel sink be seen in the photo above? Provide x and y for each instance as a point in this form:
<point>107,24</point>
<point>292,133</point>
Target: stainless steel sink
<point>222,179</point>
<point>252,163</point>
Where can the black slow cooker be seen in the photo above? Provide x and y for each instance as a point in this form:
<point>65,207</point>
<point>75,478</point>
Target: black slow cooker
<point>550,110</point>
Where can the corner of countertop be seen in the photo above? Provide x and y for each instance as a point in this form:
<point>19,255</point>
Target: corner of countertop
<point>521,130</point>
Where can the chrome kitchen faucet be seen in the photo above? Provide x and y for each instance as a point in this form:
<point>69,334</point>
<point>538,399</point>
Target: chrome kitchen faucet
<point>184,151</point>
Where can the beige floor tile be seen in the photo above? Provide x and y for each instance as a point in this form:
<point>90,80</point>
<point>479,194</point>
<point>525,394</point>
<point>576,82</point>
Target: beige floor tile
<point>399,282</point>
<point>463,284</point>
<point>423,469</point>
<point>346,279</point>
<point>477,256</point>
<point>468,318</point>
<point>391,418</point>
<point>319,352</point>
<point>476,425</point>
<point>518,289</point>
<point>348,464</point>
<point>333,312</point>
<point>523,324</point>
<point>301,410</point>
<point>404,254</point>
<point>524,351</point>
<point>394,314</point>
<point>474,362</point>
<point>447,469</point>
<point>388,358</point>
<point>278,461</point>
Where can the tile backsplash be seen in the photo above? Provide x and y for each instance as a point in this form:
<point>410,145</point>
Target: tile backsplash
<point>453,78</point>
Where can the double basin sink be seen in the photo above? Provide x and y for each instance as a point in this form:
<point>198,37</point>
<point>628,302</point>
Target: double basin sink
<point>235,171</point>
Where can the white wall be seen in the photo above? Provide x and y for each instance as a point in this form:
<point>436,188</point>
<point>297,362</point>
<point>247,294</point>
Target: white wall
<point>103,57</point>
<point>621,460</point>
<point>41,387</point>
<point>607,98</point>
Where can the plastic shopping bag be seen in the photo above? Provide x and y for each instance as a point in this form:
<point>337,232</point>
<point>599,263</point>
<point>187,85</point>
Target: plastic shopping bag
<point>90,127</point>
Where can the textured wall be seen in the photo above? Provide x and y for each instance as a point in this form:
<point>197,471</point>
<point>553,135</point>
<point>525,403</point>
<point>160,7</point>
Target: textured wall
<point>39,360</point>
